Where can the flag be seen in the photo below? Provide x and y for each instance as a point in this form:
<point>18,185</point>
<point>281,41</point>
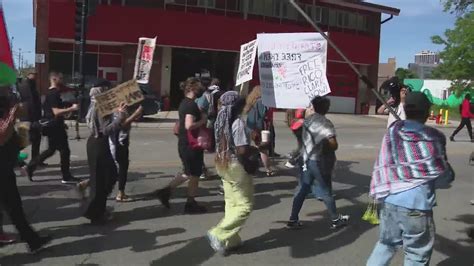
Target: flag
<point>7,74</point>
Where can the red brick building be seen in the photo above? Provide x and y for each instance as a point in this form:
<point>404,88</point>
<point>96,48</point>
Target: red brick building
<point>196,36</point>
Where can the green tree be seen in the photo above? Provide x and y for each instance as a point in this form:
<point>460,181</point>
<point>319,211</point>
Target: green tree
<point>458,54</point>
<point>458,7</point>
<point>403,73</point>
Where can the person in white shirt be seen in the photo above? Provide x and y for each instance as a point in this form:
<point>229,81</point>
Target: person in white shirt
<point>397,100</point>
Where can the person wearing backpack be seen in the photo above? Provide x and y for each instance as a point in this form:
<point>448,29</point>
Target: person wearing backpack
<point>257,122</point>
<point>212,96</point>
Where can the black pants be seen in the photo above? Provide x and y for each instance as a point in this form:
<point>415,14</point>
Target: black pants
<point>464,122</point>
<point>11,204</point>
<point>35,139</point>
<point>57,141</point>
<point>272,139</point>
<point>122,156</point>
<point>103,175</point>
<point>10,200</point>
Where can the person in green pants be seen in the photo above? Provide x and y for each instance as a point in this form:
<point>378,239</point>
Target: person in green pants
<point>232,143</point>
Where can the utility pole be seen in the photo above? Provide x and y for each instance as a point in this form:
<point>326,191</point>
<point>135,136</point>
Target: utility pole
<point>19,59</point>
<point>84,8</point>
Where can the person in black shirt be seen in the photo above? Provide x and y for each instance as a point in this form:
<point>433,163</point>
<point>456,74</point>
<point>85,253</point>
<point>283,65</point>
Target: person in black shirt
<point>190,118</point>
<point>10,199</point>
<point>55,129</point>
<point>31,100</point>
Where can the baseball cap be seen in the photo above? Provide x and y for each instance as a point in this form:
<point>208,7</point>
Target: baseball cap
<point>417,103</point>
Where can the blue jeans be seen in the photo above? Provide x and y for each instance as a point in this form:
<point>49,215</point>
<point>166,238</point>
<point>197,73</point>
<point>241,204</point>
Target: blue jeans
<point>312,179</point>
<point>412,229</point>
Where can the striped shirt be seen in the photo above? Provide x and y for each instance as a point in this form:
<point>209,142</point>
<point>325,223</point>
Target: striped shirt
<point>409,157</point>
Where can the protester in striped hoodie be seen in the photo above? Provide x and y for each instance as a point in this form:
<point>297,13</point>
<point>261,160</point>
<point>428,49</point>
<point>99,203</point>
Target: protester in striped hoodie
<point>412,163</point>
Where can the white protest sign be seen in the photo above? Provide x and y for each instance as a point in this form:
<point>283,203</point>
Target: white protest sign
<point>127,92</point>
<point>247,61</point>
<point>292,68</point>
<point>144,59</point>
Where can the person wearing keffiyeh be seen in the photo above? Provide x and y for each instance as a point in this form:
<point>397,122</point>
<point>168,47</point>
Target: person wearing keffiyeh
<point>102,168</point>
<point>411,164</point>
<point>232,140</point>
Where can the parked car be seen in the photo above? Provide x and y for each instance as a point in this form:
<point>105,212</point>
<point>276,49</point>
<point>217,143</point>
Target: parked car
<point>151,104</point>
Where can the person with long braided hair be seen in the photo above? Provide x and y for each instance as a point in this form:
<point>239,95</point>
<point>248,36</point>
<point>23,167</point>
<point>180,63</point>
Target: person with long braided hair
<point>232,152</point>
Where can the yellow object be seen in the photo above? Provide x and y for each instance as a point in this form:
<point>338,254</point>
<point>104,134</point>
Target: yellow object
<point>446,117</point>
<point>238,196</point>
<point>441,112</point>
<point>371,215</point>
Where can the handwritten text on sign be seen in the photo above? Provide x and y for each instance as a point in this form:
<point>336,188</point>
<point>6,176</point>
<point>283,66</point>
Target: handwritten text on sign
<point>247,61</point>
<point>109,101</point>
<point>292,68</point>
<point>144,59</point>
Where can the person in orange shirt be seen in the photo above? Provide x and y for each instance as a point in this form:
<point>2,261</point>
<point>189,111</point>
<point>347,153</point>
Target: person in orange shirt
<point>466,116</point>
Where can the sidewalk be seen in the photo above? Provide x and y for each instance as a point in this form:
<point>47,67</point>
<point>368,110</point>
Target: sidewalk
<point>451,123</point>
<point>167,119</point>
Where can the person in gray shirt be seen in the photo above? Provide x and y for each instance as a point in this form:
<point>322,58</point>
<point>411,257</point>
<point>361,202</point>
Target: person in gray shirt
<point>319,157</point>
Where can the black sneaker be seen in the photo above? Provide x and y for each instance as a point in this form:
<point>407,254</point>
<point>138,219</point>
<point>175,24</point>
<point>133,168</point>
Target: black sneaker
<point>164,196</point>
<point>39,243</point>
<point>294,225</point>
<point>104,219</point>
<point>28,170</point>
<point>340,222</point>
<point>70,180</point>
<point>192,207</point>
<point>451,138</point>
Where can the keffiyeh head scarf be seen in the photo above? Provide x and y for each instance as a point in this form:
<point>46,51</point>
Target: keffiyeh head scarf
<point>222,127</point>
<point>91,117</point>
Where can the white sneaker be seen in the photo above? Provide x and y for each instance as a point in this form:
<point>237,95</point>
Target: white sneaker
<point>215,244</point>
<point>340,222</point>
<point>203,176</point>
<point>221,190</point>
<point>289,165</point>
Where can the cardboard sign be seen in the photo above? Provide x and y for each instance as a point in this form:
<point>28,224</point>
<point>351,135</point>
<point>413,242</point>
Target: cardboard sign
<point>144,59</point>
<point>292,68</point>
<point>247,61</point>
<point>128,92</point>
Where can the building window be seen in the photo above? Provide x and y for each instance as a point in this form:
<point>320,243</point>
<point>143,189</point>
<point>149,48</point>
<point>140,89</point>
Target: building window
<point>352,20</point>
<point>314,12</point>
<point>207,3</point>
<point>289,12</point>
<point>332,17</point>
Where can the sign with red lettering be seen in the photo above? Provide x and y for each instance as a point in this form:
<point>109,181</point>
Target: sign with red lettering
<point>144,59</point>
<point>109,101</point>
<point>292,68</point>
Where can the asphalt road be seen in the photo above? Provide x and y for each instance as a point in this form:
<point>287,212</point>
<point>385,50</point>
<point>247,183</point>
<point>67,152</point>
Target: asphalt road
<point>144,233</point>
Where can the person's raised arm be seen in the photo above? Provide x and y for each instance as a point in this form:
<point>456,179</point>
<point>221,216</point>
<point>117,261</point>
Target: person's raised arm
<point>136,115</point>
<point>383,110</point>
